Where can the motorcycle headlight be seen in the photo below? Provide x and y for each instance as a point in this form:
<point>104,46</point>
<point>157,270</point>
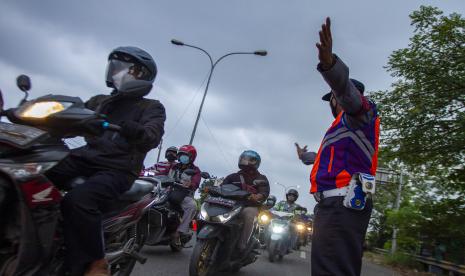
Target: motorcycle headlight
<point>226,216</point>
<point>300,227</point>
<point>278,229</point>
<point>309,229</point>
<point>40,110</point>
<point>264,219</point>
<point>23,170</point>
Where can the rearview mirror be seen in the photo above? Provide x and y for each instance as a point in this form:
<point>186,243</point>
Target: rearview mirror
<point>205,175</point>
<point>23,82</point>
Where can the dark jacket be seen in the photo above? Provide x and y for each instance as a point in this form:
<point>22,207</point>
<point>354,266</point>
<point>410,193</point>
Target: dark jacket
<point>263,189</point>
<point>113,151</point>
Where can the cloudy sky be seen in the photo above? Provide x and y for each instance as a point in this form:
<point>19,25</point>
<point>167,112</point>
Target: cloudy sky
<point>261,103</point>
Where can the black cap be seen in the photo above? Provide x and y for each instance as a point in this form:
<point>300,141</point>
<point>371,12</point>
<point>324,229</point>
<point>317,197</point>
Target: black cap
<point>356,83</point>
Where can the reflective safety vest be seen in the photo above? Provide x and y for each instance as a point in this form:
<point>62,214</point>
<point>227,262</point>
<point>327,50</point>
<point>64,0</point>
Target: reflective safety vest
<point>345,151</point>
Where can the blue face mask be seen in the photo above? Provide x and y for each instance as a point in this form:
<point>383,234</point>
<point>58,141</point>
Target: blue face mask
<point>184,159</point>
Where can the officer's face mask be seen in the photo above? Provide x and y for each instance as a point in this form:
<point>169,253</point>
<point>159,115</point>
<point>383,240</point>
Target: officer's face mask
<point>335,107</point>
<point>184,159</point>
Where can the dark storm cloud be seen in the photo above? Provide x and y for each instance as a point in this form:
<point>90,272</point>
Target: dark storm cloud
<point>264,103</point>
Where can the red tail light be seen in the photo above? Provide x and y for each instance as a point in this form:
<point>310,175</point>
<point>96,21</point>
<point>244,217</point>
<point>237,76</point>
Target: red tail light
<point>194,225</point>
<point>40,192</point>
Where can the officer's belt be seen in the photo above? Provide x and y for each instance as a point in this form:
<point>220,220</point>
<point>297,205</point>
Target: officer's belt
<point>331,193</point>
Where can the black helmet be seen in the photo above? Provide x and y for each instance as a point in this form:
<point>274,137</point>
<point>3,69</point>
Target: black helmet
<point>293,192</point>
<point>171,153</point>
<point>172,149</point>
<point>249,159</point>
<point>131,69</point>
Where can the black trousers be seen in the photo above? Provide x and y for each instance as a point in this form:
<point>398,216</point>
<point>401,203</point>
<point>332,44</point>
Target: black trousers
<point>338,236</point>
<point>82,208</point>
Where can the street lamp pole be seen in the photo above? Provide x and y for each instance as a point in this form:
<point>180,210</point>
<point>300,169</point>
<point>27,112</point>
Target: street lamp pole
<point>385,176</point>
<point>212,67</point>
<point>397,206</point>
<point>284,187</point>
<point>287,188</point>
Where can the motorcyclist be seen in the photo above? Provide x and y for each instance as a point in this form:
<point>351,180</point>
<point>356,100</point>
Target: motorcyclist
<point>164,167</point>
<point>186,156</point>
<point>289,205</point>
<point>110,161</point>
<point>250,179</point>
<point>271,201</point>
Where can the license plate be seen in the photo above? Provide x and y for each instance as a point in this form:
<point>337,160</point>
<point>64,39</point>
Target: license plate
<point>221,201</point>
<point>19,135</point>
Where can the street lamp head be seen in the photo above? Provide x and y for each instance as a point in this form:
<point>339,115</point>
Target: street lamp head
<point>261,53</point>
<point>177,42</point>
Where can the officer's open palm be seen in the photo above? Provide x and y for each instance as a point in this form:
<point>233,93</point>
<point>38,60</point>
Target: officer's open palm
<point>325,46</point>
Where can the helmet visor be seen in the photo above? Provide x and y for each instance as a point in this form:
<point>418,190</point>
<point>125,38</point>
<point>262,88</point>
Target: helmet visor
<point>248,160</point>
<point>118,67</point>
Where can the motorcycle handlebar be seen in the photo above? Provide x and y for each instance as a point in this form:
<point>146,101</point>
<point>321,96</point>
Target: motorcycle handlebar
<point>112,127</point>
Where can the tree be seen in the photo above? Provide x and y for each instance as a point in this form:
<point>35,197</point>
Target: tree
<point>423,117</point>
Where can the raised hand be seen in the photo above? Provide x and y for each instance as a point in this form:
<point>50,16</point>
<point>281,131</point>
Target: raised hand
<point>300,150</point>
<point>325,46</point>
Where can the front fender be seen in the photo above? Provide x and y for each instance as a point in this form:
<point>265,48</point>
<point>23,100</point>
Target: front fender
<point>276,237</point>
<point>210,231</point>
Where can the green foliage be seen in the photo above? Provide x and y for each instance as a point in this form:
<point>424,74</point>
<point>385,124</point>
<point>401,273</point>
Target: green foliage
<point>423,117</point>
<point>423,131</point>
<point>401,260</point>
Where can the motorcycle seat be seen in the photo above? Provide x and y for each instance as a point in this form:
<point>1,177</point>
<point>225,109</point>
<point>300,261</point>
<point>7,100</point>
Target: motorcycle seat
<point>139,189</point>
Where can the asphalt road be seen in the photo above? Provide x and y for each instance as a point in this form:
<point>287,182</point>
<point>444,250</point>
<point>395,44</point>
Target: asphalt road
<point>162,262</point>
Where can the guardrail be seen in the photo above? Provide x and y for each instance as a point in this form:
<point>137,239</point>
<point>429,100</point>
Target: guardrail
<point>446,267</point>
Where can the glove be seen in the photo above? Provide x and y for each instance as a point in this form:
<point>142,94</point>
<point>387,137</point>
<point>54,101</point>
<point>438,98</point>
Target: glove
<point>93,126</point>
<point>131,130</point>
<point>255,197</point>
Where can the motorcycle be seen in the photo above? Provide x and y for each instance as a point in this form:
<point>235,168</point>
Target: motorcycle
<point>300,227</point>
<point>31,234</point>
<point>219,231</point>
<point>279,241</point>
<point>264,219</point>
<point>165,215</point>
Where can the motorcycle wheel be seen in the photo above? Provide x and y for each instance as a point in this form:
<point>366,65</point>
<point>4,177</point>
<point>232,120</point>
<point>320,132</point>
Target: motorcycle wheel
<point>272,251</point>
<point>199,264</point>
<point>127,264</point>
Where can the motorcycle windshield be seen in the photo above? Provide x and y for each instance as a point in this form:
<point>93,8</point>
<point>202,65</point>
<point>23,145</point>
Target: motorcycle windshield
<point>19,135</point>
<point>229,191</point>
<point>280,214</point>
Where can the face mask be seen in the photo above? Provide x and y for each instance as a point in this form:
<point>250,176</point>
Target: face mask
<point>184,159</point>
<point>121,78</point>
<point>291,198</point>
<point>334,111</point>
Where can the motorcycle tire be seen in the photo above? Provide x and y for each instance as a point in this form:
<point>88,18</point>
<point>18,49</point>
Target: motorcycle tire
<point>272,251</point>
<point>202,253</point>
